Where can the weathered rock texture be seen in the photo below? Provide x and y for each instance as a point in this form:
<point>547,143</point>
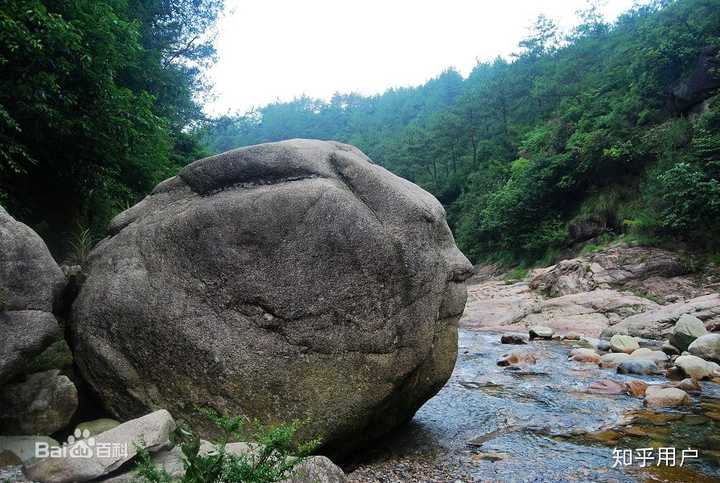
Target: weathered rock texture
<point>281,281</point>
<point>31,286</point>
<point>42,404</point>
<point>658,273</point>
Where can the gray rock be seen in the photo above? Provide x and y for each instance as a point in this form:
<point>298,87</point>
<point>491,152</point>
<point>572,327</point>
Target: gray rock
<point>317,469</point>
<point>29,277</point>
<point>515,339</point>
<point>42,404</point>
<point>152,430</point>
<point>25,334</point>
<point>97,426</point>
<point>658,323</point>
<point>638,366</point>
<point>706,347</point>
<point>613,359</point>
<point>623,343</point>
<point>540,332</point>
<point>669,349</point>
<point>686,330</point>
<point>31,286</point>
<point>280,281</point>
<point>24,446</point>
<point>665,397</point>
<point>696,367</point>
<point>659,357</point>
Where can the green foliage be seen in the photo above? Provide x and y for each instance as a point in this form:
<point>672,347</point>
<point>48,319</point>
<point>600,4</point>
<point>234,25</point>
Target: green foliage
<point>275,456</point>
<point>574,128</point>
<point>81,244</point>
<point>95,96</point>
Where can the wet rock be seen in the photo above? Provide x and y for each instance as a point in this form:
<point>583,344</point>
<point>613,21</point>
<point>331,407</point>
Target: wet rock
<point>585,355</point>
<point>686,330</point>
<point>225,270</point>
<point>516,357</point>
<point>665,397</point>
<point>540,332</point>
<point>603,345</point>
<point>696,367</point>
<point>42,404</point>
<point>490,456</point>
<point>669,349</point>
<point>572,336</point>
<point>606,386</point>
<point>516,339</point>
<point>98,426</point>
<point>638,366</point>
<point>636,388</point>
<point>689,385</point>
<point>706,347</point>
<point>23,447</point>
<point>588,343</point>
<point>623,343</point>
<point>153,430</point>
<point>613,359</point>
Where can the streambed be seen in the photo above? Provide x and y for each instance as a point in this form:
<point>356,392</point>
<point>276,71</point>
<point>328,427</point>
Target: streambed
<point>538,423</point>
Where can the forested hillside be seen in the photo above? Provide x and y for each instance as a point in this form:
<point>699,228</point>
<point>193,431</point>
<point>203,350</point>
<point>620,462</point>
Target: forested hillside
<point>609,130</point>
<point>96,97</point>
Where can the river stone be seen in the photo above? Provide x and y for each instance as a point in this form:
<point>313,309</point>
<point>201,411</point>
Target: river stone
<point>665,397</point>
<point>686,330</point>
<point>98,426</point>
<point>613,359</point>
<point>540,332</point>
<point>31,286</point>
<point>696,367</point>
<point>292,280</point>
<point>518,356</point>
<point>635,387</point>
<point>669,349</point>
<point>42,404</point>
<point>689,385</point>
<point>152,430</point>
<point>606,386</point>
<point>706,347</point>
<point>623,343</point>
<point>638,366</point>
<point>515,339</point>
<point>24,446</point>
<point>645,353</point>
<point>584,355</point>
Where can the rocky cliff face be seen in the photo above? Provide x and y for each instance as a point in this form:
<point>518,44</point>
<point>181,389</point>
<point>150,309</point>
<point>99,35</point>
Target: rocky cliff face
<point>284,281</point>
<point>621,289</point>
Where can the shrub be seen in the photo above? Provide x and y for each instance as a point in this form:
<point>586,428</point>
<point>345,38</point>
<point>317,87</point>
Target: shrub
<point>275,457</point>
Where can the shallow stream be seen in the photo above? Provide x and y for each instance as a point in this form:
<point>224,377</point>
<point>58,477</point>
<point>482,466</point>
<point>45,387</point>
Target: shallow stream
<point>538,423</point>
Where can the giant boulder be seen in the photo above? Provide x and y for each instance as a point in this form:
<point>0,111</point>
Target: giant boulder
<point>279,281</point>
<point>31,286</point>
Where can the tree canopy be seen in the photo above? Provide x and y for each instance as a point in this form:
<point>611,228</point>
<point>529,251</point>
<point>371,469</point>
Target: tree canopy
<point>96,97</point>
<point>573,130</point>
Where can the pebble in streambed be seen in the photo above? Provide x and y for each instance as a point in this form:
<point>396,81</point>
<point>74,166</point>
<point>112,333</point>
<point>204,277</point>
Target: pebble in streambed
<point>539,422</point>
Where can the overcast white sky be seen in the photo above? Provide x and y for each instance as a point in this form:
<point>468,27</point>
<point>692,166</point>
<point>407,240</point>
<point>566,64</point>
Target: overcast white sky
<point>280,49</point>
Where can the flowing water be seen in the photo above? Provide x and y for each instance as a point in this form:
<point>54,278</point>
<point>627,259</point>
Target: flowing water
<point>538,423</point>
